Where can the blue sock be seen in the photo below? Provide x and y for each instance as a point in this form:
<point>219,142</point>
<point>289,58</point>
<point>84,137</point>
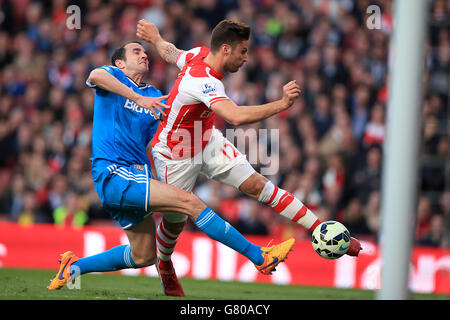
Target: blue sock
<point>114,259</point>
<point>218,229</point>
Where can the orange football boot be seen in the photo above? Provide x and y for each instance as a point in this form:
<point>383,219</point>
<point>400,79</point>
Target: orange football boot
<point>63,275</point>
<point>273,255</point>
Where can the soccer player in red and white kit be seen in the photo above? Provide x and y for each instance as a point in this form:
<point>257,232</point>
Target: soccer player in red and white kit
<point>187,144</point>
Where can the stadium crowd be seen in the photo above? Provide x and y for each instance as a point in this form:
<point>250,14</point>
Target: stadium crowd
<point>330,145</point>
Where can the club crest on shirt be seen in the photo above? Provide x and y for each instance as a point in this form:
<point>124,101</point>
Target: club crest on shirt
<point>208,88</point>
<point>139,167</point>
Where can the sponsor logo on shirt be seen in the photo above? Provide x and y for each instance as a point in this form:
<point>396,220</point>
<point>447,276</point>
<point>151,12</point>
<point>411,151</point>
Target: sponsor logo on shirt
<point>136,108</point>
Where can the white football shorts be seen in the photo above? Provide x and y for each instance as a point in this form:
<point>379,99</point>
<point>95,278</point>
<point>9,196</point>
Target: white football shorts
<point>219,160</point>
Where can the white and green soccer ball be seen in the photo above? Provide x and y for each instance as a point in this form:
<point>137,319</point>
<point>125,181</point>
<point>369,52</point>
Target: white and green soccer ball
<point>331,239</point>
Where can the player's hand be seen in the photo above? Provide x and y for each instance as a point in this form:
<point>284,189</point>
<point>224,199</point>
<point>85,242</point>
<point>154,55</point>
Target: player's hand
<point>291,91</point>
<point>153,103</point>
<point>147,31</point>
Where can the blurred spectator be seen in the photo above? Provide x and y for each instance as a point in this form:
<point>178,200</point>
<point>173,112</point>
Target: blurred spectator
<point>368,177</point>
<point>333,141</point>
<point>308,192</point>
<point>334,174</point>
<point>360,110</point>
<point>423,217</point>
<point>332,69</point>
<point>372,212</point>
<point>330,141</point>
<point>58,191</point>
<point>13,200</point>
<point>30,212</point>
<point>436,233</point>
<point>332,199</point>
<point>444,203</point>
<point>431,135</point>
<point>284,229</point>
<point>354,219</point>
<point>374,130</point>
<point>250,222</point>
<point>70,214</point>
<point>322,114</point>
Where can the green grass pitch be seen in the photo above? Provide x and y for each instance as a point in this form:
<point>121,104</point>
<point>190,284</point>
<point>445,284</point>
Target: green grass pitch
<point>31,284</point>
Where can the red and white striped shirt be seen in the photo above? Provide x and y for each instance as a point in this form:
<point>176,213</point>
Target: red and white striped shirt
<point>187,128</point>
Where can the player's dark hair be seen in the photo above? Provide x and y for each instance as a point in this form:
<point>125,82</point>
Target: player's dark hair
<point>229,32</point>
<point>119,53</point>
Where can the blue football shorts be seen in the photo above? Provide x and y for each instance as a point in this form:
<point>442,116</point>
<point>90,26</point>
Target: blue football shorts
<point>123,190</point>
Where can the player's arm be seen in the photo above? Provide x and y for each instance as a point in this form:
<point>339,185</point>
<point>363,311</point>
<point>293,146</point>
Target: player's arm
<point>103,79</point>
<point>237,115</point>
<point>147,31</point>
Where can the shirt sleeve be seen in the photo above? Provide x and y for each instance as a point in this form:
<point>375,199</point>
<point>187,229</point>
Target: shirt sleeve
<point>186,56</point>
<point>209,91</point>
<point>114,71</point>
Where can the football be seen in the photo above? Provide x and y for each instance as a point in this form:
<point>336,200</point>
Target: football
<point>331,239</point>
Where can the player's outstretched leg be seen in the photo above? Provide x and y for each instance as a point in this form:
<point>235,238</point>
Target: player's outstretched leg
<point>287,205</point>
<point>290,207</point>
<point>72,266</point>
<point>282,201</point>
<point>164,197</point>
<point>141,252</point>
<point>264,258</point>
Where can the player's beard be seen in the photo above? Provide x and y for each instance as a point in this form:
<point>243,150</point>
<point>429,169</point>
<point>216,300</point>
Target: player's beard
<point>234,67</point>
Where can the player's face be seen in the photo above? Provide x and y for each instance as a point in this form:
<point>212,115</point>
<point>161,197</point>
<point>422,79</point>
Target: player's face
<point>237,57</point>
<point>136,58</point>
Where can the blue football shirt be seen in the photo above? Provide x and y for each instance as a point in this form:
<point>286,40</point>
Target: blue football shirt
<point>121,128</point>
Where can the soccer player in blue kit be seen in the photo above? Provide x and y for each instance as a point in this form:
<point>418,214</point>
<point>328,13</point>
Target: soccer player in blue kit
<point>126,116</point>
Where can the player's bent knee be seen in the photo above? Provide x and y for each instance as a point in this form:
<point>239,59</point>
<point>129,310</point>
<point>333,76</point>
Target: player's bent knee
<point>190,203</point>
<point>144,260</point>
<point>197,206</point>
<point>143,257</point>
<point>195,203</point>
